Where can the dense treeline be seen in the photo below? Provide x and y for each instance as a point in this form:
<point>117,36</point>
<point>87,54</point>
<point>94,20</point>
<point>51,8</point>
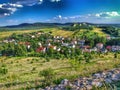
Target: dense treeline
<point>78,27</point>
<point>113,31</point>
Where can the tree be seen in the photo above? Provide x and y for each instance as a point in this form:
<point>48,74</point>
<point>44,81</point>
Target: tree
<point>3,70</point>
<point>115,55</point>
<point>87,57</point>
<point>48,75</point>
<point>92,42</point>
<point>20,50</point>
<point>80,58</point>
<point>74,63</point>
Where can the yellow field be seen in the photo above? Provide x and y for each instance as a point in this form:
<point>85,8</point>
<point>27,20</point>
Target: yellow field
<point>99,31</point>
<point>62,33</point>
<point>4,34</point>
<point>55,32</point>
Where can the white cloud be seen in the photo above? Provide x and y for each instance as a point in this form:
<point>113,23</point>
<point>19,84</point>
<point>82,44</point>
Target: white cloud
<point>7,9</point>
<point>97,17</point>
<point>113,13</point>
<point>16,5</point>
<point>6,14</point>
<point>33,2</point>
<point>1,5</point>
<point>27,2</point>
<point>107,14</point>
<point>59,16</point>
<point>40,1</point>
<point>55,0</point>
<point>12,9</point>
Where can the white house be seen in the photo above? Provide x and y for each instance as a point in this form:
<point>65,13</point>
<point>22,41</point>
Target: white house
<point>115,48</point>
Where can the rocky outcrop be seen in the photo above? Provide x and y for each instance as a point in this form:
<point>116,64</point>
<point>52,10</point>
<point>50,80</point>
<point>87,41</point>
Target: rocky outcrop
<point>86,83</point>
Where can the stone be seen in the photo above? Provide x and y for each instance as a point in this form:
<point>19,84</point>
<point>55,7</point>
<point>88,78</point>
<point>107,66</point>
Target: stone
<point>87,83</point>
<point>65,82</point>
<point>116,77</point>
<point>77,83</point>
<point>96,83</point>
<point>57,88</point>
<point>98,75</point>
<point>108,81</point>
<point>88,87</point>
<point>47,88</point>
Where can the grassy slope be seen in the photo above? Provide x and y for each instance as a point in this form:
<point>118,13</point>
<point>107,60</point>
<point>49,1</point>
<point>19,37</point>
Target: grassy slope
<point>4,34</point>
<point>99,31</point>
<point>20,69</point>
<point>91,33</point>
<point>65,33</point>
<point>55,31</point>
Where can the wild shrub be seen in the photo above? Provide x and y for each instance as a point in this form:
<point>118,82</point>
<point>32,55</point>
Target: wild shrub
<point>33,69</point>
<point>3,70</point>
<point>48,75</point>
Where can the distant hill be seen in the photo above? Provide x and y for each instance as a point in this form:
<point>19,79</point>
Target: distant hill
<point>35,25</point>
<point>106,25</point>
<point>41,25</point>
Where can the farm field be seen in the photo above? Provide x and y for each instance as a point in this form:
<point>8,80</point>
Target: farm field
<point>55,32</point>
<point>5,34</point>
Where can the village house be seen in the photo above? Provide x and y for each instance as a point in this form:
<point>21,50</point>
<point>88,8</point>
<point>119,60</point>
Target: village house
<point>21,43</point>
<point>103,50</point>
<point>115,48</point>
<point>28,45</point>
<point>109,48</point>
<point>72,46</point>
<point>41,49</point>
<point>40,44</point>
<point>74,42</point>
<point>93,49</point>
<point>49,44</point>
<point>32,36</point>
<point>65,44</point>
<point>81,42</point>
<point>86,48</point>
<point>53,47</point>
<point>108,37</point>
<point>99,46</point>
<point>58,49</point>
<point>5,41</point>
<point>8,40</point>
<point>39,33</point>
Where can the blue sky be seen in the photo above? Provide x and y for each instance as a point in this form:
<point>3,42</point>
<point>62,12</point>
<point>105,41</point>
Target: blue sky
<point>61,11</point>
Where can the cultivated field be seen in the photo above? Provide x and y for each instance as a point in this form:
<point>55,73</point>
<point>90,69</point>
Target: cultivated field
<point>55,32</point>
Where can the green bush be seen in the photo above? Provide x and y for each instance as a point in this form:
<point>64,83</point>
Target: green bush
<point>3,70</point>
<point>58,80</point>
<point>48,75</point>
<point>34,68</point>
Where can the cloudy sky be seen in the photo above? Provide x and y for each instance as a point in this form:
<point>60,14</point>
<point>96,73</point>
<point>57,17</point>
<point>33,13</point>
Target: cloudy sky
<point>29,11</point>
